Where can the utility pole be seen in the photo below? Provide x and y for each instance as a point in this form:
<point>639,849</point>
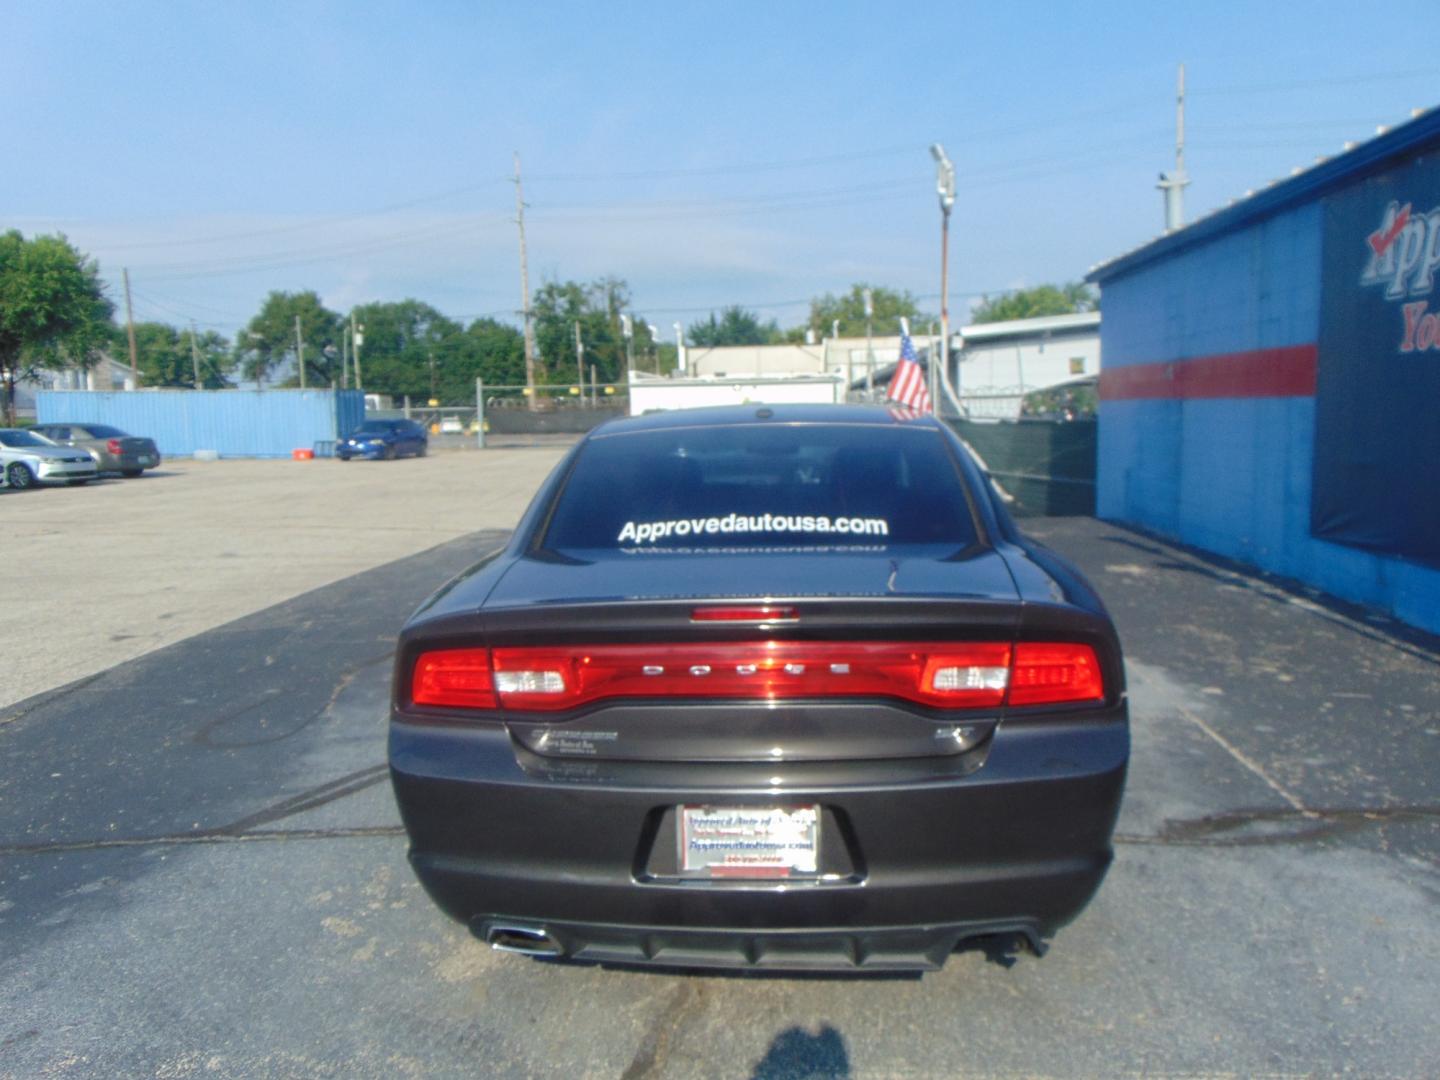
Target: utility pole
<point>525,289</point>
<point>195,356</point>
<point>345,358</point>
<point>580,362</point>
<point>1174,184</point>
<point>130,329</point>
<point>682,359</point>
<point>357,338</point>
<point>945,188</point>
<point>300,352</point>
<point>433,398</point>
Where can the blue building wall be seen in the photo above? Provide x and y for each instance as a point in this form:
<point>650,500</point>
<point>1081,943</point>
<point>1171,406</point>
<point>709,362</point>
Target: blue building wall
<point>235,423</point>
<point>1233,475</point>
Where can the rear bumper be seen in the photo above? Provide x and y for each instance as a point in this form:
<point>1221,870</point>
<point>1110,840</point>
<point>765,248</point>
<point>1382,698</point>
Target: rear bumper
<point>869,949</point>
<point>1013,838</point>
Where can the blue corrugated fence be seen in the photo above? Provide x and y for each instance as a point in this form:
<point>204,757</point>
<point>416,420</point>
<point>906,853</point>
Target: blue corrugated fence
<point>234,423</point>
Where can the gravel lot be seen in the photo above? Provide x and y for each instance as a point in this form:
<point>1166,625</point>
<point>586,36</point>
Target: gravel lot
<point>99,574</point>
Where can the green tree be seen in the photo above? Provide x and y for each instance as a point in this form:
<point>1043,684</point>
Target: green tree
<point>890,305</point>
<point>735,326</point>
<point>164,357</point>
<point>489,350</point>
<point>1036,302</point>
<point>406,342</point>
<point>268,342</point>
<point>53,309</point>
<point>559,305</point>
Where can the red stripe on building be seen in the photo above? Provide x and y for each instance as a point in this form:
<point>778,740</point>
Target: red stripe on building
<point>1287,372</point>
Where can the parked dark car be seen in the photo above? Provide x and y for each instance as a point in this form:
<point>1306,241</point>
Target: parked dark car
<point>762,687</point>
<point>112,449</point>
<point>386,439</point>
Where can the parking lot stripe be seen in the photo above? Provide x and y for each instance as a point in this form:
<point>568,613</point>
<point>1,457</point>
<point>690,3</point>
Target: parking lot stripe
<point>1247,761</point>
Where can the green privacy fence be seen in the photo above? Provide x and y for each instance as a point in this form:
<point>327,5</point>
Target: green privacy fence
<point>1048,466</point>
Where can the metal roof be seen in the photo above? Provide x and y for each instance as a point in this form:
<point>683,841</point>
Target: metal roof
<point>1328,174</point>
<point>1044,324</point>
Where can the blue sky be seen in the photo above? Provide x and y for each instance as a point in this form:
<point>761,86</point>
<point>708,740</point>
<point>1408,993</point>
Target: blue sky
<point>740,153</point>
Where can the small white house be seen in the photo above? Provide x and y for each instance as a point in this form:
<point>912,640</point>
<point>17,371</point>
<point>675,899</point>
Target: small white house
<point>107,373</point>
<point>994,365</point>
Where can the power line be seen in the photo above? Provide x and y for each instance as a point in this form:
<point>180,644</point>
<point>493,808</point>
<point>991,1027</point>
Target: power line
<point>301,226</point>
<point>727,170</point>
<point>281,261</point>
<point>1310,84</point>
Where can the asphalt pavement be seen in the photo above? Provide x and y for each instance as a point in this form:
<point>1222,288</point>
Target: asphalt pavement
<point>202,872</point>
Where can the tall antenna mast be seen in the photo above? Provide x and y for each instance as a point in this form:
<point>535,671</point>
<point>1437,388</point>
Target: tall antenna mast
<point>1174,184</point>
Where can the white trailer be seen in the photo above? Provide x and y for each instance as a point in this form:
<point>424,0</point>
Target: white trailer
<point>653,393</point>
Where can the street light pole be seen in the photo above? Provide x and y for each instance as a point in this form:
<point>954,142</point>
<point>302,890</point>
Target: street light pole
<point>580,363</point>
<point>869,345</point>
<point>945,188</point>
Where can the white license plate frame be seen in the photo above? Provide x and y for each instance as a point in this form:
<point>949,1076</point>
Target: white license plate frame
<point>748,842</point>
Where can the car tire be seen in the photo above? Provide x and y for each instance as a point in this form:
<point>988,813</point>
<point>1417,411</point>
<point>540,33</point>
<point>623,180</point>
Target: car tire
<point>390,453</point>
<point>131,473</point>
<point>422,451</point>
<point>343,457</point>
<point>80,483</point>
<point>19,476</point>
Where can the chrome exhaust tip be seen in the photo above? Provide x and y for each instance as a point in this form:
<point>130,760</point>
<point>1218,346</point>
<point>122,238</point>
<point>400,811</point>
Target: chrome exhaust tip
<point>523,940</point>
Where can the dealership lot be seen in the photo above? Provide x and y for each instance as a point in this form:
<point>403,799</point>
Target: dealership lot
<point>202,872</point>
<point>100,574</point>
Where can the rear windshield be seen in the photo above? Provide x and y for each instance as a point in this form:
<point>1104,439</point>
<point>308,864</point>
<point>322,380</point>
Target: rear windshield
<point>377,427</point>
<point>105,431</point>
<point>791,486</point>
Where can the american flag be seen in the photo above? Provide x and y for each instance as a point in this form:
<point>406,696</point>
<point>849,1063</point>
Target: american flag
<point>907,385</point>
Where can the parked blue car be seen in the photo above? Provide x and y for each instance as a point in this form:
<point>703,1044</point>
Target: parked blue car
<point>386,439</point>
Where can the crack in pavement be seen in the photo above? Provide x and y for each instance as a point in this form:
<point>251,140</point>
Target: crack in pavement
<point>49,697</point>
<point>205,735</point>
<point>204,837</point>
<point>1278,826</point>
<point>244,829</point>
<point>650,1057</point>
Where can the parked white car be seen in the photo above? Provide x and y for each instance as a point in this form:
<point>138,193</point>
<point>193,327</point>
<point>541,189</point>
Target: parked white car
<point>29,459</point>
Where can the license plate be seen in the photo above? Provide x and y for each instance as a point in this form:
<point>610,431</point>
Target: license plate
<point>749,841</point>
<point>146,459</point>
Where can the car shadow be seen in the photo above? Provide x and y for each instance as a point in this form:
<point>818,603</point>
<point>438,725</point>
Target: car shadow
<point>796,1053</point>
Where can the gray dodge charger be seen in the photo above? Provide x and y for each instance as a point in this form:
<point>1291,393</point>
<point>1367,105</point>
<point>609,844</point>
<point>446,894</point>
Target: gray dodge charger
<point>762,687</point>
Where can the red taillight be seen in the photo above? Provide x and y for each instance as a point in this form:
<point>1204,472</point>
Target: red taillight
<point>113,446</point>
<point>951,676</point>
<point>1046,674</point>
<point>758,613</point>
<point>550,679</point>
<point>458,677</point>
